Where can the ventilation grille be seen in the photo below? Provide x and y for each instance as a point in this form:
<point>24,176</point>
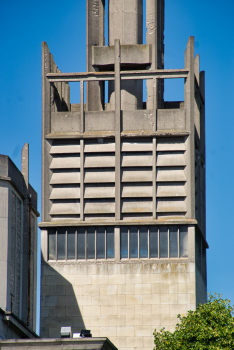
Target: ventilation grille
<point>170,177</point>
<point>65,180</point>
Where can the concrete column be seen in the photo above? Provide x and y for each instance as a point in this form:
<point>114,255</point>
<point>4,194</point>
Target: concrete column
<point>25,163</point>
<point>95,13</point>
<point>155,37</point>
<point>203,156</point>
<point>126,24</point>
<point>189,106</point>
<point>117,133</point>
<point>46,128</point>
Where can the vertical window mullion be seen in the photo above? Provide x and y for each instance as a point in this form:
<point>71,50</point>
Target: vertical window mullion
<point>76,244</point>
<point>105,244</point>
<point>178,239</point>
<point>86,244</point>
<point>66,245</point>
<point>138,230</point>
<point>168,241</point>
<point>128,241</point>
<point>148,244</point>
<point>56,245</point>
<point>95,244</point>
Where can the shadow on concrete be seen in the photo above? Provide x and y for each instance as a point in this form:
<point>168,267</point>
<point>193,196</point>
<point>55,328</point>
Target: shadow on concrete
<point>59,306</point>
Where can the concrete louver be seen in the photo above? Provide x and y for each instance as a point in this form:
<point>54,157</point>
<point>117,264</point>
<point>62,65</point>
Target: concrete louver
<point>136,177</point>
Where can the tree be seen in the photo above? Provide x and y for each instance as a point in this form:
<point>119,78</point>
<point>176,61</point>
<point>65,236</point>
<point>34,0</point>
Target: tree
<point>210,327</point>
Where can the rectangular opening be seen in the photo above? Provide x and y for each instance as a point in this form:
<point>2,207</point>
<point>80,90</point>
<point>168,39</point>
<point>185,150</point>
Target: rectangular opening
<point>163,242</point>
<point>91,243</point>
<point>143,239</point>
<point>81,243</point>
<point>183,242</point>
<point>71,237</point>
<point>153,241</point>
<point>52,245</point>
<point>110,243</point>
<point>173,242</point>
<point>61,244</point>
<point>124,242</point>
<point>173,89</point>
<point>101,242</point>
<point>133,244</point>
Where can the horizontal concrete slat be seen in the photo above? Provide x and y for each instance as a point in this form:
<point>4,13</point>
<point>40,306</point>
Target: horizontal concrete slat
<point>99,176</point>
<point>137,207</point>
<point>99,161</point>
<point>171,174</point>
<point>136,175</point>
<point>171,144</point>
<point>137,191</point>
<point>65,208</point>
<point>99,192</point>
<point>106,147</point>
<point>138,160</point>
<point>65,178</point>
<point>65,193</point>
<point>170,159</point>
<point>136,146</point>
<point>171,190</point>
<point>171,205</point>
<point>65,163</point>
<point>99,208</point>
<point>65,149</point>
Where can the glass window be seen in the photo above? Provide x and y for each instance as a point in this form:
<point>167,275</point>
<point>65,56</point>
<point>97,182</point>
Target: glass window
<point>61,244</point>
<point>183,242</point>
<point>124,242</point>
<point>110,243</point>
<point>71,236</point>
<point>153,241</point>
<point>91,243</point>
<point>52,245</point>
<point>133,253</point>
<point>101,242</point>
<point>143,242</point>
<point>163,242</point>
<point>81,243</point>
<point>173,242</point>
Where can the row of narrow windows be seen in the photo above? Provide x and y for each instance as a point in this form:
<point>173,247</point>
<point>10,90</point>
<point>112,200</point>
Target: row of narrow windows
<point>136,242</point>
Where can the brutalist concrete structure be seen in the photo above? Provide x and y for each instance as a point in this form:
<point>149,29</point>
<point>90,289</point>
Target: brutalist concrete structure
<point>123,217</point>
<point>18,257</point>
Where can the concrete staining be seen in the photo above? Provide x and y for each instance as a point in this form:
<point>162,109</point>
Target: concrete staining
<point>123,210</point>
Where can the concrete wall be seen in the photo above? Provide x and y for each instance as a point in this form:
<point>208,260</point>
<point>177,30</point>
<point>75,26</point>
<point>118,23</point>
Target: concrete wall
<point>123,300</point>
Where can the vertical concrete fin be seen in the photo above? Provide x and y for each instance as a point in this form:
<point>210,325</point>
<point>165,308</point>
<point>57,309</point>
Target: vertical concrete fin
<point>95,19</point>
<point>25,163</point>
<point>155,37</point>
<point>189,106</point>
<point>197,96</point>
<point>46,129</point>
<point>117,131</point>
<point>203,155</point>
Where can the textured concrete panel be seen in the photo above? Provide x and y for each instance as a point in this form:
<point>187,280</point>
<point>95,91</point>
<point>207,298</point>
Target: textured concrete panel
<point>65,121</point>
<point>171,119</point>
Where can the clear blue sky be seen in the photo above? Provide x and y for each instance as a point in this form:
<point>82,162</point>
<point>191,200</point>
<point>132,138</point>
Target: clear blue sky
<point>25,24</point>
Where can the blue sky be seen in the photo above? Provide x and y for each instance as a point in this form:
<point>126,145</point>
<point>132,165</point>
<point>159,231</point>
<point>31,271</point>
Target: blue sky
<point>25,24</point>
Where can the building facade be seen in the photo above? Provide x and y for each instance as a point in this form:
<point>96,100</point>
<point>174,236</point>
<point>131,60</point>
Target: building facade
<point>18,258</point>
<point>123,208</point>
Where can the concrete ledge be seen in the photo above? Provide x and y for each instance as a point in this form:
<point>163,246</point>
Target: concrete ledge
<point>49,344</point>
<point>130,54</point>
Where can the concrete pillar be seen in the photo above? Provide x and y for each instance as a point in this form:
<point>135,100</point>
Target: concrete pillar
<point>155,37</point>
<point>25,163</point>
<point>126,25</point>
<point>95,13</point>
<point>189,106</point>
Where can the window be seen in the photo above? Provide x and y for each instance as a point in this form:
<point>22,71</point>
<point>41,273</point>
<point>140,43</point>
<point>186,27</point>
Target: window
<point>81,243</point>
<point>153,242</point>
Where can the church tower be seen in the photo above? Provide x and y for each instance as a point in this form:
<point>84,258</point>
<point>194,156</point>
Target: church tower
<point>123,184</point>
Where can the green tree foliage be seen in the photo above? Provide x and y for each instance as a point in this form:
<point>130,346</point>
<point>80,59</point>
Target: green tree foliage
<point>210,327</point>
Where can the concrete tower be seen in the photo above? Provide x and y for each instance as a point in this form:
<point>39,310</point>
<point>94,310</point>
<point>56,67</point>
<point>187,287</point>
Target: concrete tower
<point>123,207</point>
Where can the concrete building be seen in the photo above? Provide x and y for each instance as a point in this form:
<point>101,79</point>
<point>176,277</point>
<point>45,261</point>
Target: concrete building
<point>18,257</point>
<point>123,184</point>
